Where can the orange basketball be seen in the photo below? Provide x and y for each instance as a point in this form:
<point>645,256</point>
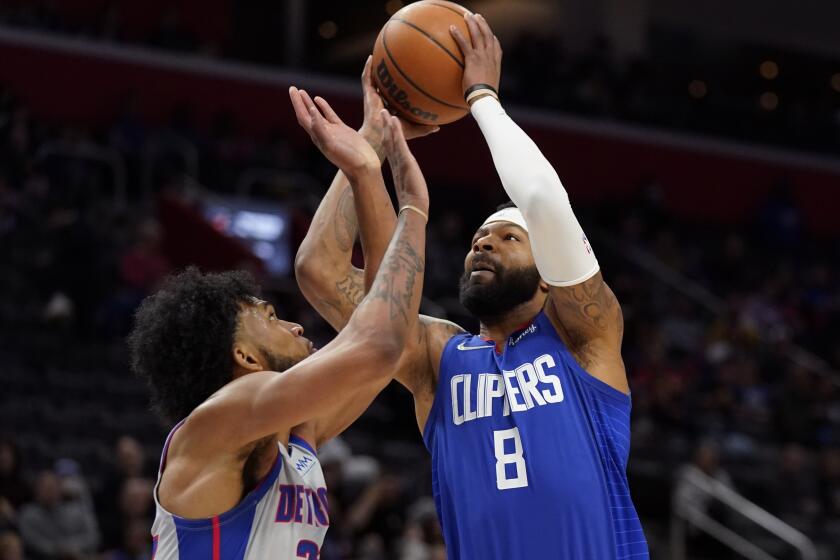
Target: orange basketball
<point>418,66</point>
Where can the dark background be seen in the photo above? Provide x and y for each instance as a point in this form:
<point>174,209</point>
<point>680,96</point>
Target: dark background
<point>699,145</point>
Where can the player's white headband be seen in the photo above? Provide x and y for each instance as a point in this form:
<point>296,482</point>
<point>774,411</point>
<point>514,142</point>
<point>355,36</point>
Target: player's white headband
<point>512,215</point>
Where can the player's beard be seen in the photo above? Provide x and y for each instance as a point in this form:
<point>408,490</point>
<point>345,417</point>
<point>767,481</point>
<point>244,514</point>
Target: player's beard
<point>278,362</point>
<point>507,289</point>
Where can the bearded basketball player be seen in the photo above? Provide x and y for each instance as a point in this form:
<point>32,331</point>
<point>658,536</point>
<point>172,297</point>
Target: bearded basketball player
<point>527,421</point>
<point>239,476</point>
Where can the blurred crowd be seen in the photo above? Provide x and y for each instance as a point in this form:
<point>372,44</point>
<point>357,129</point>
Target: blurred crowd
<point>729,354</point>
<point>739,380</point>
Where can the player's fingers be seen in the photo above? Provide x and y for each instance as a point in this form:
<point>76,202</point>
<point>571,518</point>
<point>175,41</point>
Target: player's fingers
<point>367,76</point>
<point>397,132</point>
<point>328,112</point>
<point>387,135</point>
<point>463,43</point>
<point>476,36</point>
<point>307,101</point>
<point>301,112</point>
<point>366,71</point>
<point>372,100</point>
<point>319,124</point>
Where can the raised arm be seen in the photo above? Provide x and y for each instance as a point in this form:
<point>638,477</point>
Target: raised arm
<point>360,360</point>
<point>323,264</point>
<point>580,303</point>
<point>323,267</point>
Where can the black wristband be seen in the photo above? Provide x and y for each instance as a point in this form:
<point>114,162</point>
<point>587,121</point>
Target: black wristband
<point>476,87</point>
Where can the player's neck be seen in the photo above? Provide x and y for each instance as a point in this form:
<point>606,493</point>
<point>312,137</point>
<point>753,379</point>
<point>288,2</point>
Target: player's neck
<point>500,328</point>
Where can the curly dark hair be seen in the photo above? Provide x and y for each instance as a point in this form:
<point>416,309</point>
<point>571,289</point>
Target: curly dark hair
<point>182,337</point>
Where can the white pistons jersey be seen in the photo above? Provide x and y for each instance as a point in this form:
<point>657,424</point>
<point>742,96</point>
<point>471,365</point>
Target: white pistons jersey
<point>285,516</point>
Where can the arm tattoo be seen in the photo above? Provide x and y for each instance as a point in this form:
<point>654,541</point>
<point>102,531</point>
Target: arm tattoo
<point>589,302</point>
<point>374,138</point>
<point>351,288</point>
<point>587,311</point>
<point>346,225</point>
<point>336,307</point>
<point>397,277</point>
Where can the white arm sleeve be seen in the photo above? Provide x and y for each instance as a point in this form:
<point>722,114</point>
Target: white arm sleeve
<point>561,251</point>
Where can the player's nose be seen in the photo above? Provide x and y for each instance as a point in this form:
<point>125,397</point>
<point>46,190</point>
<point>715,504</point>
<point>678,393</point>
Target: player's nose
<point>294,328</point>
<point>483,244</point>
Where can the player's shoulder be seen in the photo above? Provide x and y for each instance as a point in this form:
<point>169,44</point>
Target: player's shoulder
<point>438,333</point>
<point>419,369</point>
<point>441,324</point>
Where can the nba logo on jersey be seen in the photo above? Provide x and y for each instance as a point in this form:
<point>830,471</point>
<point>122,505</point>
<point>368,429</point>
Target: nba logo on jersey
<point>304,463</point>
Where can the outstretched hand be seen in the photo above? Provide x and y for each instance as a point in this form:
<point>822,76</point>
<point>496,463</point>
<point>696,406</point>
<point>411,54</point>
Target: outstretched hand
<point>342,145</point>
<point>482,52</point>
<point>409,182</point>
<point>374,124</point>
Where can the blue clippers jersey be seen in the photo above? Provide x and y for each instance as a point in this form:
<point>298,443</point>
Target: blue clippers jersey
<point>529,454</point>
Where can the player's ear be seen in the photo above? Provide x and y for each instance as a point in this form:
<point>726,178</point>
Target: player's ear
<point>246,359</point>
<point>543,287</point>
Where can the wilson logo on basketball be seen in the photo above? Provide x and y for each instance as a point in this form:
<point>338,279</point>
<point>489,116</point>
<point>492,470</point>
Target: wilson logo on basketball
<point>398,96</point>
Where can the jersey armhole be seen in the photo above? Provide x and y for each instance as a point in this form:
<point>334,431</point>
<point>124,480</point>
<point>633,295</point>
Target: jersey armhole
<point>428,429</point>
<point>601,388</point>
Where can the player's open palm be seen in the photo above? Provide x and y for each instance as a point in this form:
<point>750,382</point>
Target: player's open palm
<point>409,182</point>
<point>342,145</point>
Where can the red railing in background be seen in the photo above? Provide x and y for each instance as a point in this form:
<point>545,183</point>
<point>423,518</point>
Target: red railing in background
<point>68,81</point>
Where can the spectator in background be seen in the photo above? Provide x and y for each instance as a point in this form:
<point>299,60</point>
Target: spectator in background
<point>144,266</point>
<point>829,488</point>
<point>377,516</point>
<point>136,544</point>
<point>795,494</point>
<point>128,133</point>
<point>11,547</point>
<point>131,525</point>
<point>422,538</point>
<point>13,488</point>
<point>706,463</point>
<point>830,483</point>
<point>794,406</point>
<point>130,464</point>
<point>55,526</point>
<point>136,501</point>
<point>704,469</point>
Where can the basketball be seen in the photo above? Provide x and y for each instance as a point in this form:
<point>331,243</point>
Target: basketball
<point>418,66</point>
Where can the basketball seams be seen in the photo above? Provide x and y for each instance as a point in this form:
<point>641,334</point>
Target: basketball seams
<point>406,77</point>
<point>430,38</point>
<point>450,8</point>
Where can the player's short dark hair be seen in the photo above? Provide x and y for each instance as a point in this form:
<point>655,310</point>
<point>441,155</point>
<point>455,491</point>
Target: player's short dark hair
<point>182,339</point>
<point>508,204</point>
